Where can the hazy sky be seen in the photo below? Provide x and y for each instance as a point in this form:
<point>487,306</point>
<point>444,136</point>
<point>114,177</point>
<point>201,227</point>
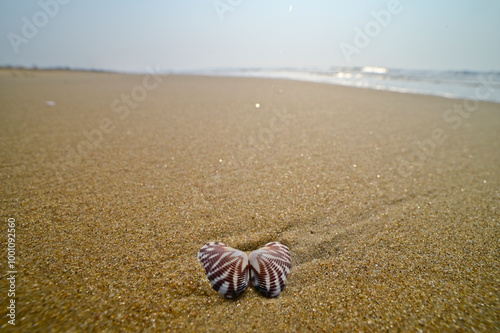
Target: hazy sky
<point>187,34</point>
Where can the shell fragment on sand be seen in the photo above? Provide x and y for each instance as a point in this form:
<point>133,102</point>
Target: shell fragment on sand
<point>230,270</point>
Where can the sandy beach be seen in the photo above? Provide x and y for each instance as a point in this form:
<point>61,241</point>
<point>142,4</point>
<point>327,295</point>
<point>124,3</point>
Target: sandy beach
<point>388,202</point>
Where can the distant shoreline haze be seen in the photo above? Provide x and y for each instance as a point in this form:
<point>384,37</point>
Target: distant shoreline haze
<point>461,84</point>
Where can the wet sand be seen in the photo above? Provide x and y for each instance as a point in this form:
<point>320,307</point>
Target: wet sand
<point>389,203</point>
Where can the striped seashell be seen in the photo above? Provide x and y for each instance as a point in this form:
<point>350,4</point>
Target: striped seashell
<point>228,269</point>
<point>269,268</point>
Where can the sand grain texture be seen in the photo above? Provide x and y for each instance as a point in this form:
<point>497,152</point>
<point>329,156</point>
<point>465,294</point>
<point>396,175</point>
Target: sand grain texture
<point>381,238</point>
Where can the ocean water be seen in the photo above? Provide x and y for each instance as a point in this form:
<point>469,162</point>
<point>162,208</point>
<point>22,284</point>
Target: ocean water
<point>481,86</point>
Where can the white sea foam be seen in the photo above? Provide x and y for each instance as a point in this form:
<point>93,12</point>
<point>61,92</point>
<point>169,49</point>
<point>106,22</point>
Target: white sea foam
<point>483,86</point>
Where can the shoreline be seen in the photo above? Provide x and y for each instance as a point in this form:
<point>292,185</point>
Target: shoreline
<point>484,87</point>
